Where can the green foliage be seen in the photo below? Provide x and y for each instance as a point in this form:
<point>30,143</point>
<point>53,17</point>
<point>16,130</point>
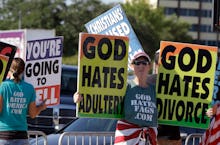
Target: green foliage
<point>149,24</point>
<point>71,60</point>
<point>77,14</point>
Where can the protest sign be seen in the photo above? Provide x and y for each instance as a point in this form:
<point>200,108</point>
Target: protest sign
<point>7,53</point>
<point>16,38</point>
<point>115,22</point>
<point>43,68</point>
<point>102,75</point>
<point>185,83</point>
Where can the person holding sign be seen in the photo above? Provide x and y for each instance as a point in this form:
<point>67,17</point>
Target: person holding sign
<point>139,106</point>
<point>140,121</point>
<point>17,99</point>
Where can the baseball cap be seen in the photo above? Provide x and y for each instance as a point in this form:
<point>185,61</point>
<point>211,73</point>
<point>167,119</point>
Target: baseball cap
<point>140,54</point>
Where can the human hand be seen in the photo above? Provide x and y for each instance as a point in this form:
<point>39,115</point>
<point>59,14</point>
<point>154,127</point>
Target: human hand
<point>209,112</point>
<point>212,111</point>
<point>77,97</point>
<point>43,105</point>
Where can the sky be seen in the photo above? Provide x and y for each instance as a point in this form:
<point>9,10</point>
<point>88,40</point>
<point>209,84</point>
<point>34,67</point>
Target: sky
<point>104,1</point>
<point>111,1</point>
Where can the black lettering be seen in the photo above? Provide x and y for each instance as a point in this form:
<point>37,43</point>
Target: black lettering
<point>86,75</point>
<point>197,119</point>
<point>112,78</point>
<point>205,88</point>
<point>42,68</point>
<point>187,80</point>
<point>195,87</point>
<point>106,72</point>
<point>36,69</point>
<point>119,44</point>
<point>165,109</point>
<point>163,83</point>
<point>106,55</point>
<point>88,103</point>
<point>171,108</point>
<point>106,103</point>
<point>159,107</point>
<point>181,107</point>
<point>201,55</point>
<point>110,105</point>
<point>183,52</point>
<point>175,87</point>
<point>96,78</point>
<point>116,105</point>
<point>100,104</point>
<point>189,111</point>
<point>170,63</point>
<point>27,70</point>
<point>89,52</point>
<point>203,118</point>
<point>121,79</point>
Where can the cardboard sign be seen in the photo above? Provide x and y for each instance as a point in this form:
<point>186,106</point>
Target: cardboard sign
<point>102,75</point>
<point>114,22</point>
<point>43,68</point>
<point>185,83</point>
<point>16,38</point>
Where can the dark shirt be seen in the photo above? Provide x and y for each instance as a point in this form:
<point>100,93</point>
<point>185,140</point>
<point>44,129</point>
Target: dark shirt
<point>165,131</point>
<point>169,132</point>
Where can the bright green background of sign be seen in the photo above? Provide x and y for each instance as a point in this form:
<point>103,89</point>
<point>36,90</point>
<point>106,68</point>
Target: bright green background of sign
<point>193,73</point>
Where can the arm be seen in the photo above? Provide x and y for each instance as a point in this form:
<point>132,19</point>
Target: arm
<point>34,110</point>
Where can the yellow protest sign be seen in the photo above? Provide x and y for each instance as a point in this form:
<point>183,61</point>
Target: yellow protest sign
<point>185,83</point>
<point>102,75</point>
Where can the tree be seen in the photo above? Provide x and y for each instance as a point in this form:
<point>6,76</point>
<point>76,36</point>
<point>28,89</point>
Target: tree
<point>31,13</point>
<point>151,26</point>
<point>78,14</point>
<point>67,20</point>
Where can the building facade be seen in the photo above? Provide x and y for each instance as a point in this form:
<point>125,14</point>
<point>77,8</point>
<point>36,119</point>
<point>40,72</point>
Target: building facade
<point>198,13</point>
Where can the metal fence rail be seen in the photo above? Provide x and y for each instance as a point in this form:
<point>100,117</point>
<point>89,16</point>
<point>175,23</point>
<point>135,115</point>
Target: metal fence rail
<point>86,138</point>
<point>36,134</point>
<point>193,139</point>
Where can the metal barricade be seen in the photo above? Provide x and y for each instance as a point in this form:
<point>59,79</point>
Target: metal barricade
<point>86,138</point>
<point>36,134</point>
<point>193,139</point>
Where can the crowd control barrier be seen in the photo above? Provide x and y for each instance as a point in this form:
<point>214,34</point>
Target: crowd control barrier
<point>86,138</point>
<point>193,139</point>
<point>36,134</point>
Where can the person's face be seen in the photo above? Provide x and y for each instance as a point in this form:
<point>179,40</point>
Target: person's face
<point>141,67</point>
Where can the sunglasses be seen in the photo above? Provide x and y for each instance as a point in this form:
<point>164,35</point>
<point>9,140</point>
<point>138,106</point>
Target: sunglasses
<point>140,62</point>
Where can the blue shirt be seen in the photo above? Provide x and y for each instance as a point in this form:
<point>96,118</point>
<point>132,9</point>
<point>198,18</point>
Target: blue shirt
<point>16,100</point>
<point>140,106</point>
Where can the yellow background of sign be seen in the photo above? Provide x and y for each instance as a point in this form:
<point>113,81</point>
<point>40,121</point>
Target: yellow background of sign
<point>98,63</point>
